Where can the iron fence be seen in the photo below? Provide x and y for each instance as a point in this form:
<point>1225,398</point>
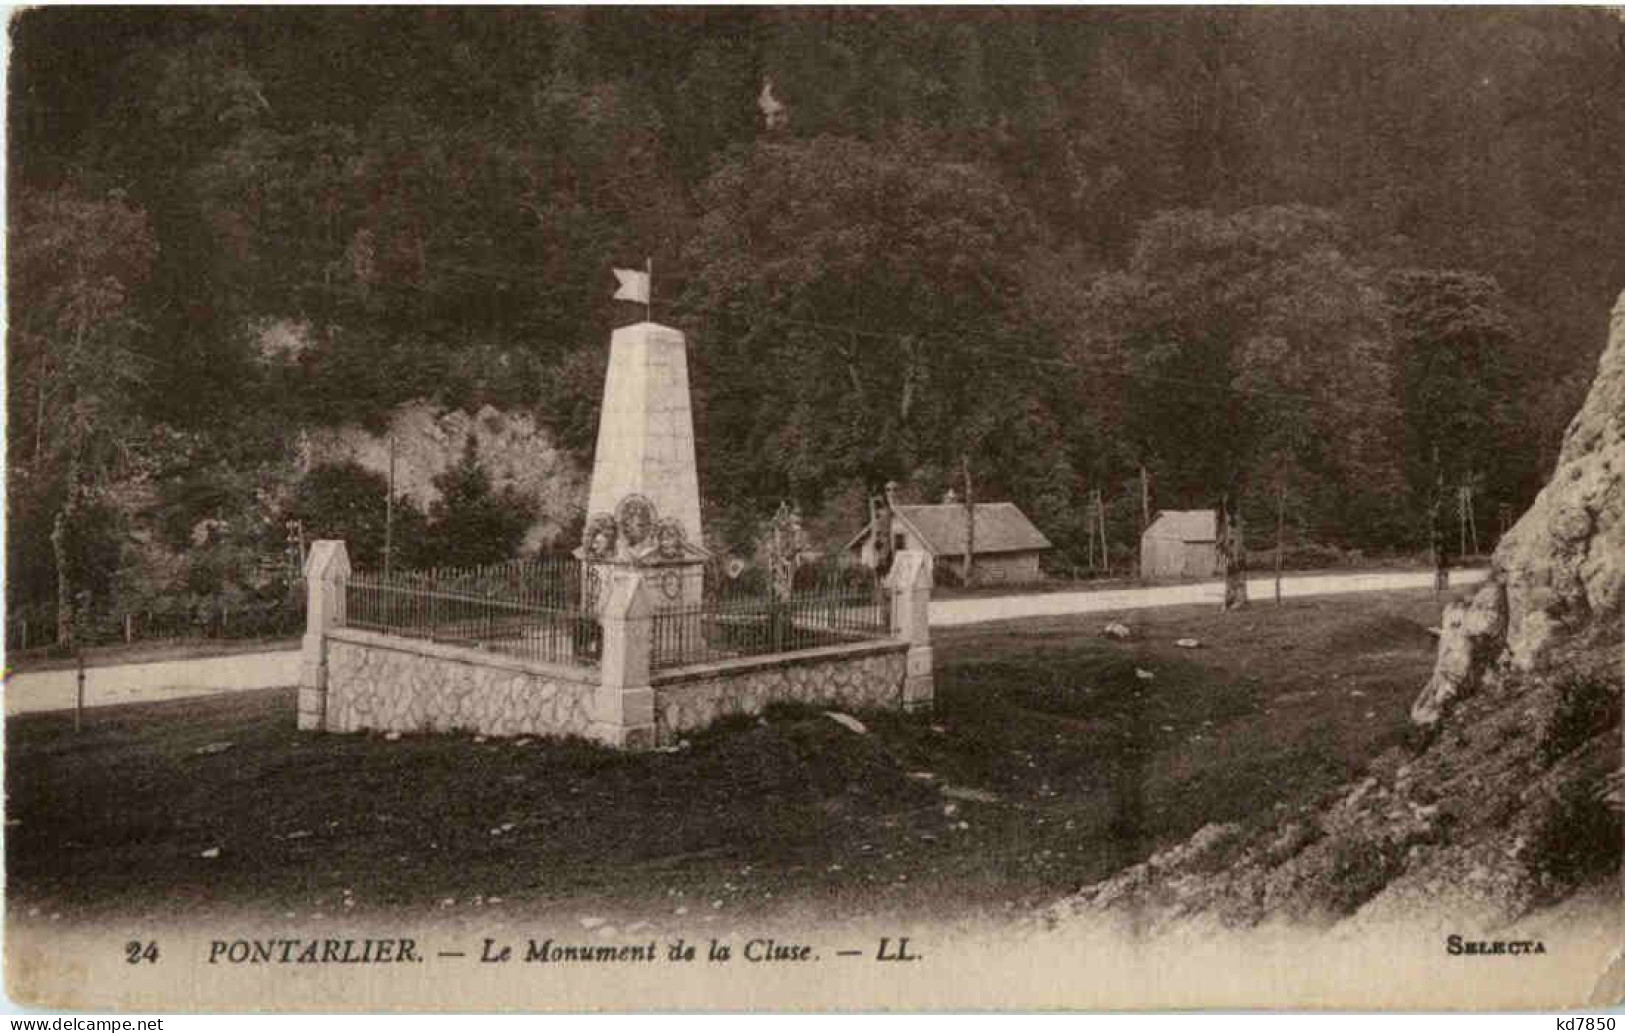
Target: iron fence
<point>552,580</point>
<point>539,609</point>
<point>822,608</point>
<point>33,633</point>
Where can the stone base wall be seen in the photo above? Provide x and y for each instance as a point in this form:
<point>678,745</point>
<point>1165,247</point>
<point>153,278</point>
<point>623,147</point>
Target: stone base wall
<point>389,684</point>
<point>867,676</point>
<point>385,683</point>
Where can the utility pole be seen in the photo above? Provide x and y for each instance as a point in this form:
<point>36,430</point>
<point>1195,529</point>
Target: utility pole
<point>1089,523</point>
<point>1280,534</point>
<point>969,573</point>
<point>1100,522</point>
<point>1464,516</point>
<point>1436,538</point>
<point>1145,499</point>
<point>1232,549</point>
<point>1145,517</point>
<point>389,511</point>
<point>1461,520</point>
<point>78,687</point>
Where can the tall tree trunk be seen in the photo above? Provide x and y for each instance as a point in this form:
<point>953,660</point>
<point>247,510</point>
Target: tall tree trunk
<point>1437,539</point>
<point>64,586</point>
<point>64,524</point>
<point>1233,551</point>
<point>39,417</point>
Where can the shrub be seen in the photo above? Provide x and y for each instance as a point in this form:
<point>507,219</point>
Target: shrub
<point>1577,840</point>
<point>346,500</point>
<point>1358,868</point>
<point>472,524</point>
<point>1587,704</point>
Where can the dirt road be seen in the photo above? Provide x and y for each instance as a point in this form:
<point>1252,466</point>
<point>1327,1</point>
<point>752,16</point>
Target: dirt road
<point>948,612</point>
<point>178,679</point>
<point>143,683</point>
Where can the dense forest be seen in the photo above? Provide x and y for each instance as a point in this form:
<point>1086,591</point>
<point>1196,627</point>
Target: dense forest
<point>1331,257</point>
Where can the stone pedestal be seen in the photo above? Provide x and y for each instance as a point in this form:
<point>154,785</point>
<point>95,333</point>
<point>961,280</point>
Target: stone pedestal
<point>909,583</point>
<point>326,566</point>
<point>623,705</point>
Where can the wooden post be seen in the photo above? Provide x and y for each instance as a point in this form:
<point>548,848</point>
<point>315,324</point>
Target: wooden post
<point>1089,510</point>
<point>1472,523</point>
<point>129,629</point>
<point>1280,530</point>
<point>79,691</point>
<point>969,573</point>
<point>1461,518</point>
<point>1436,532</point>
<point>1145,518</point>
<point>1100,523</point>
<point>1145,499</point>
<point>1232,549</point>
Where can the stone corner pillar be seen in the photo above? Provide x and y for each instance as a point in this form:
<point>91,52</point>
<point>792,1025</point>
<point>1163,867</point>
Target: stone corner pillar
<point>326,566</point>
<point>910,586</point>
<point>623,705</point>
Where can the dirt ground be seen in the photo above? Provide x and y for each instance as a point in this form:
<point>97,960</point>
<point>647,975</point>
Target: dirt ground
<point>1050,762</point>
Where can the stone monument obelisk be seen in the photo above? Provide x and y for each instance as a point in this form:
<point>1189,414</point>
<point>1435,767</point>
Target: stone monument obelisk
<point>644,504</point>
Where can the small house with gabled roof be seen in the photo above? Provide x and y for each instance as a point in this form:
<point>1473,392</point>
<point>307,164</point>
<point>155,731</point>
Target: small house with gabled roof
<point>1008,546</point>
<point>1180,543</point>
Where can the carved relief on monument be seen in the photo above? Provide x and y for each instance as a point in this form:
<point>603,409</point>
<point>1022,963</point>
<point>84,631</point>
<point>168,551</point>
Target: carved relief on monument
<point>600,537</point>
<point>671,585</point>
<point>636,517</point>
<point>637,534</point>
<point>670,541</point>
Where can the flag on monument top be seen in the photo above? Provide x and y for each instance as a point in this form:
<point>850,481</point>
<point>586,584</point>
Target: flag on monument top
<point>632,285</point>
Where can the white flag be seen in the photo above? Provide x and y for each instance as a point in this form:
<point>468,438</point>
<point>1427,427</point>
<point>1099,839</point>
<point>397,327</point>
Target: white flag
<point>632,285</point>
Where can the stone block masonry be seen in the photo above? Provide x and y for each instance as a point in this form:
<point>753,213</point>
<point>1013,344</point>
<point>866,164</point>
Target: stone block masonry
<point>871,676</point>
<point>391,684</point>
<point>355,680</point>
<point>326,567</point>
<point>646,430</point>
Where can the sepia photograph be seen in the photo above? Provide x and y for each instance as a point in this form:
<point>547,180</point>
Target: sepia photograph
<point>807,509</point>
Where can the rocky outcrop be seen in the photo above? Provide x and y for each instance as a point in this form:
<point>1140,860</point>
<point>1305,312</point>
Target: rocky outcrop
<point>513,450</point>
<point>1560,572</point>
<point>1471,641</point>
<point>1499,817</point>
<point>1507,804</point>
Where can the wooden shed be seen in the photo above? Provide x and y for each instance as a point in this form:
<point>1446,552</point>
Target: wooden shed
<point>1180,543</point>
<point>1008,546</point>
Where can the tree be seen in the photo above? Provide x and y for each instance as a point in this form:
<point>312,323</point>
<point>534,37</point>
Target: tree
<point>470,524</point>
<point>919,255</point>
<point>74,370</point>
<point>1251,348</point>
<point>1457,349</point>
<point>438,220</point>
<point>346,501</point>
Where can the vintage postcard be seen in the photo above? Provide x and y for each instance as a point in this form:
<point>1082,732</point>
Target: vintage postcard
<point>806,509</point>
